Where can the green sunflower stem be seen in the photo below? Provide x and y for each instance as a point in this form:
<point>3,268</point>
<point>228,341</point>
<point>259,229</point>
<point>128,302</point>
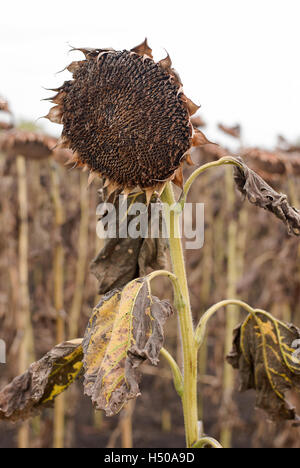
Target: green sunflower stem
<point>201,327</point>
<point>225,161</point>
<point>189,396</point>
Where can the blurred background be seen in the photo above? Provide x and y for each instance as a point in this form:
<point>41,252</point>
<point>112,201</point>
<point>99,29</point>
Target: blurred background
<point>239,60</point>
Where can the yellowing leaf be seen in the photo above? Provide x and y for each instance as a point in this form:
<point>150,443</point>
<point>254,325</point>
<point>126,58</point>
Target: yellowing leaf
<point>126,328</point>
<point>264,354</point>
<point>27,394</point>
<point>98,335</point>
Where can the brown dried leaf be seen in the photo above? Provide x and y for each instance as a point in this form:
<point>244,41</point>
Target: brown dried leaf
<point>126,328</point>
<point>124,259</point>
<point>261,194</point>
<point>263,353</point>
<point>45,379</point>
<point>55,115</point>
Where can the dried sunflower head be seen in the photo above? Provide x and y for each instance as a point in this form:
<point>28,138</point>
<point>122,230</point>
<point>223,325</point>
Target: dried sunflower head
<point>126,118</point>
<point>31,145</point>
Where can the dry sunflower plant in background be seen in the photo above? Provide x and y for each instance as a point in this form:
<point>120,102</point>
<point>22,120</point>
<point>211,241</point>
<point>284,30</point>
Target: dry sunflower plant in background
<point>127,121</point>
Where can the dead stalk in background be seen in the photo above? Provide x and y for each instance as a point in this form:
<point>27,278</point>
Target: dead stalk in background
<point>82,258</point>
<point>189,397</point>
<point>126,425</point>
<point>205,292</point>
<point>24,317</point>
<point>232,312</point>
<point>58,275</point>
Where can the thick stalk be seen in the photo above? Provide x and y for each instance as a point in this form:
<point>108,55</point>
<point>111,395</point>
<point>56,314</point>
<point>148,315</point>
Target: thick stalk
<point>189,397</point>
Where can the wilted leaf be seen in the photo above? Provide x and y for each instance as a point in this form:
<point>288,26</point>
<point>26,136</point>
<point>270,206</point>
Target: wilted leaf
<point>124,259</point>
<point>27,394</point>
<point>261,194</point>
<point>126,328</point>
<point>263,353</point>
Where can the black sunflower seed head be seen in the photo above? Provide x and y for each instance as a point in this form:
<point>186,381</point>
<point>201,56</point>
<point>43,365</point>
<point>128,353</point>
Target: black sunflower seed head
<point>125,117</point>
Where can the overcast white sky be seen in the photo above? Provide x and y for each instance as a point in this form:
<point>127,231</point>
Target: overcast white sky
<point>239,59</point>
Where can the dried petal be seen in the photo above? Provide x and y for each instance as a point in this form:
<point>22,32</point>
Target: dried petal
<point>143,49</point>
<point>166,63</point>
<point>55,115</point>
<point>192,107</point>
